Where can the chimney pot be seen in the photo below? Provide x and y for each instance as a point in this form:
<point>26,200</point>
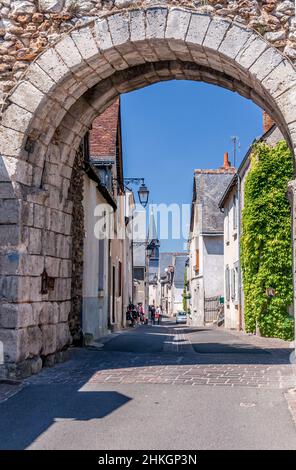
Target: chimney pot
<point>226,161</point>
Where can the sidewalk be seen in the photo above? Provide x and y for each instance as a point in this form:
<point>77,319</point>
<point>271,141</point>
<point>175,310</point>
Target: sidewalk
<point>272,345</point>
<point>9,388</point>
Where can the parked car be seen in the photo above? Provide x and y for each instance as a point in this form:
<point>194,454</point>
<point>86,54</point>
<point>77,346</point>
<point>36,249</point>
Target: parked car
<point>181,317</point>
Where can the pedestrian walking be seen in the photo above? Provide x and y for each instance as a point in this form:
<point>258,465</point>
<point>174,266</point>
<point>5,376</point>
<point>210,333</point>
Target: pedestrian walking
<point>158,315</point>
<point>152,314</point>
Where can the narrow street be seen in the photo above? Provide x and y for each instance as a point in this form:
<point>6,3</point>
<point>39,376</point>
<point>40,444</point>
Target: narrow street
<point>158,387</point>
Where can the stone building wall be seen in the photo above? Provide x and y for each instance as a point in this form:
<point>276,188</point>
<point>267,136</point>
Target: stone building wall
<point>28,26</point>
<point>77,234</point>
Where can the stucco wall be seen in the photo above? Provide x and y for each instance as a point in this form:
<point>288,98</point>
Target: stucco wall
<point>95,301</point>
<point>231,256</point>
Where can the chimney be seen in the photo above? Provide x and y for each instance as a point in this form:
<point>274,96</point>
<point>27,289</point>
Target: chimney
<point>226,163</point>
<point>267,122</point>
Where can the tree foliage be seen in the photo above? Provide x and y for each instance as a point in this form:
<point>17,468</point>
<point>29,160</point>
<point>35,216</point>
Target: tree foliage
<point>266,249</point>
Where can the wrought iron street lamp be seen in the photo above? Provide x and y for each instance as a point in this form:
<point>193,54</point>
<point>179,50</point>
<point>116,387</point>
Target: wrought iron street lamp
<point>143,194</point>
<point>143,191</point>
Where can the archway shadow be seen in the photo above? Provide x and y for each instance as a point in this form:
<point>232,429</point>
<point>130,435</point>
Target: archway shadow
<point>34,409</point>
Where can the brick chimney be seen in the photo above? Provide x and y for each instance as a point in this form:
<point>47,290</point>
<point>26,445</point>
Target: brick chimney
<point>226,163</point>
<point>102,138</point>
<point>267,122</point>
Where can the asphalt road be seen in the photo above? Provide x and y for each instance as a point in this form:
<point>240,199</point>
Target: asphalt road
<point>65,408</point>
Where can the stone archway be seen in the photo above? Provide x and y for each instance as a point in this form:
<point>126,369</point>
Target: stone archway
<point>52,107</point>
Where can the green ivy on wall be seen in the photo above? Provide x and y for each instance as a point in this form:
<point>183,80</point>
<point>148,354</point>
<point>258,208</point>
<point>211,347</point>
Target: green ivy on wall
<point>266,249</point>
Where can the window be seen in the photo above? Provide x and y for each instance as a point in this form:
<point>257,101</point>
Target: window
<point>227,284</point>
<point>119,278</point>
<point>234,283</point>
<point>139,274</point>
<point>101,264</point>
<point>226,225</point>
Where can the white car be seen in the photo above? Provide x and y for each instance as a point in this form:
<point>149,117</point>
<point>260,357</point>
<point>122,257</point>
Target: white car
<point>181,317</point>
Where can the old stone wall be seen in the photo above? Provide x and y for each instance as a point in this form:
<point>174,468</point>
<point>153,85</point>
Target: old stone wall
<point>28,26</point>
<point>77,234</point>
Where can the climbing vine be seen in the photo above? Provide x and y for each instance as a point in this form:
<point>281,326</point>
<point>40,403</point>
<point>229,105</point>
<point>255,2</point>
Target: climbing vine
<point>266,250</point>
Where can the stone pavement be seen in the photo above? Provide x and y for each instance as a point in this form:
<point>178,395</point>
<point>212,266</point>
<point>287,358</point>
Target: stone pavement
<point>177,363</point>
<point>244,387</point>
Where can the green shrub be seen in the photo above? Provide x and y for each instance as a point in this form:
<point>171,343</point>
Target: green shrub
<point>266,249</point>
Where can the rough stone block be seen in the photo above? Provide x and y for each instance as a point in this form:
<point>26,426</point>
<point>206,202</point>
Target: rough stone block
<point>49,313</point>
<point>9,211</point>
<point>49,361</point>
<point>6,191</point>
<point>64,310</point>
<point>35,365</point>
<point>33,238</point>
<point>287,105</point>
<point>9,288</point>
<point>156,22</point>
<point>39,216</point>
<point>9,236</point>
<point>177,24</point>
<point>65,268</point>
<point>86,44</point>
<point>16,316</point>
<point>235,39</point>
<point>9,263</point>
<point>39,78</point>
<point>267,62</point>
<point>280,79</point>
<point>119,28</point>
<point>34,340</point>
<point>49,339</point>
<point>14,344</point>
<point>52,266</point>
<point>63,336</point>
<point>11,143</point>
<point>53,65</point>
<point>27,96</point>
<point>137,25</point>
<point>253,48</point>
<point>49,244</point>
<point>31,265</point>
<point>197,28</point>
<point>69,53</point>
<point>215,33</point>
<point>102,34</point>
<point>16,118</point>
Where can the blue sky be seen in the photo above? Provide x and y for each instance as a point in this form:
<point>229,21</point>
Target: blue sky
<point>171,128</point>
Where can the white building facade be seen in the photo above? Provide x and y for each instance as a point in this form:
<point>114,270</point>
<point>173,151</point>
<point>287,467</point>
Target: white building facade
<point>205,268</point>
<point>232,204</point>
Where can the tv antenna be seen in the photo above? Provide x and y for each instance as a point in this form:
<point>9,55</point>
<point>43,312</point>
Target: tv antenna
<point>236,146</point>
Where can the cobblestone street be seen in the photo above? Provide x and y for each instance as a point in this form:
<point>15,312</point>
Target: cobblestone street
<point>158,364</point>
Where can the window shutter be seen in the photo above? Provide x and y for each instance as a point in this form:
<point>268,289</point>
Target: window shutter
<point>233,287</point>
<point>197,260</point>
<point>227,286</point>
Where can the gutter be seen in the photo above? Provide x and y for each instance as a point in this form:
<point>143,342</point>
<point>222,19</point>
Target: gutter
<point>101,187</point>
